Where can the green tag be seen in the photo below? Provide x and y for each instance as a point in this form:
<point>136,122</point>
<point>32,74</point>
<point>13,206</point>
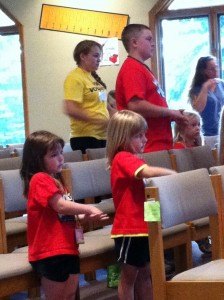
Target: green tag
<point>152,211</point>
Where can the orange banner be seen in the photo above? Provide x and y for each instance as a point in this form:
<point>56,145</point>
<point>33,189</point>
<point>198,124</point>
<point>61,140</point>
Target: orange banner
<point>81,21</point>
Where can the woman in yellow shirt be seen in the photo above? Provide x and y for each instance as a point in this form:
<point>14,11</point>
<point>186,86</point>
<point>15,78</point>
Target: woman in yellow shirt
<point>86,98</point>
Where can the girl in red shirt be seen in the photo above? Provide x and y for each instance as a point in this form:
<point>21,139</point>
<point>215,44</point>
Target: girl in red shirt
<point>125,140</point>
<point>53,251</point>
<point>188,135</point>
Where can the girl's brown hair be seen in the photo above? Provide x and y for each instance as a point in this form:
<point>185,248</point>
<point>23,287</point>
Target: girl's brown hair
<point>122,126</point>
<point>35,148</point>
<point>199,76</point>
<point>84,47</point>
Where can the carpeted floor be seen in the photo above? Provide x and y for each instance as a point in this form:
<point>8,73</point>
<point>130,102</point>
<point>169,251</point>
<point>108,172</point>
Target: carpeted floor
<point>98,289</point>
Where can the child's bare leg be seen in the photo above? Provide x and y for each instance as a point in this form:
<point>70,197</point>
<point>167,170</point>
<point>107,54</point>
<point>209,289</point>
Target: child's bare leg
<point>54,290</point>
<point>127,281</point>
<point>71,287</point>
<point>143,284</point>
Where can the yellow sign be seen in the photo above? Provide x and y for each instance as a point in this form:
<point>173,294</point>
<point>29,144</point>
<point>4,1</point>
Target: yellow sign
<point>80,21</point>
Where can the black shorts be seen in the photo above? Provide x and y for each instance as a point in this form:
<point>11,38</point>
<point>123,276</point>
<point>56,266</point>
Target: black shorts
<point>83,143</point>
<point>132,250</point>
<point>57,268</point>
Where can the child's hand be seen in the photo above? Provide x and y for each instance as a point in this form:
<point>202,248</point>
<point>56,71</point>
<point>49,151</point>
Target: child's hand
<point>171,172</point>
<point>98,217</point>
<point>96,214</point>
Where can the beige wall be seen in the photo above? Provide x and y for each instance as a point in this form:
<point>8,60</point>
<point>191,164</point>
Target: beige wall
<point>48,56</point>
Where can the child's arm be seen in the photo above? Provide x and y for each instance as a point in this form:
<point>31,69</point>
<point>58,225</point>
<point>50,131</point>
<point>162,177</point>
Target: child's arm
<point>149,171</point>
<point>66,207</point>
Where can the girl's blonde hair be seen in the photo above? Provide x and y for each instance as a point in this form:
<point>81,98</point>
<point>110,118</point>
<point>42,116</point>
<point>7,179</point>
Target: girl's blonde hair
<point>221,139</point>
<point>122,127</point>
<point>179,128</point>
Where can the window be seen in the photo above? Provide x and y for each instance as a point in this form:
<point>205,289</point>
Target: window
<point>180,60</point>
<point>183,36</point>
<point>181,4</point>
<point>12,119</point>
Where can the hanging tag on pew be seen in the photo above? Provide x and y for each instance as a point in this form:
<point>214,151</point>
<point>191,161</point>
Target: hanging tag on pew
<point>152,211</point>
<point>79,235</point>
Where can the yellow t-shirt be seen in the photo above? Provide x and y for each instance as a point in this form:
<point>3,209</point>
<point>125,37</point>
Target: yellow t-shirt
<point>81,87</point>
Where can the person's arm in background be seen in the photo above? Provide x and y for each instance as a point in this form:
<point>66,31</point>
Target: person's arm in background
<point>150,171</point>
<point>73,110</point>
<point>61,206</point>
<point>199,101</point>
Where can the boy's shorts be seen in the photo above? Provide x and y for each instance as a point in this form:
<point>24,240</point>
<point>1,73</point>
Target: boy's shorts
<point>132,250</point>
<point>57,268</point>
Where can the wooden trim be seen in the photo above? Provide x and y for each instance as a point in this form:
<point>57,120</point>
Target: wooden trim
<point>22,282</point>
<point>156,250</point>
<point>173,160</point>
<point>7,12</point>
<point>217,186</point>
<point>194,290</point>
<point>67,179</point>
<point>3,241</point>
<point>160,5</point>
<point>183,13</point>
<point>23,72</point>
<point>8,30</point>
<point>215,155</point>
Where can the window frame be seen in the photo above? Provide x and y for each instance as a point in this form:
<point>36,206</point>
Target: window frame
<point>18,29</point>
<point>160,11</point>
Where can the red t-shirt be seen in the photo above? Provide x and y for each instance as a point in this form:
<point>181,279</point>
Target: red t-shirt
<point>136,80</point>
<point>47,235</point>
<point>179,145</point>
<point>128,196</point>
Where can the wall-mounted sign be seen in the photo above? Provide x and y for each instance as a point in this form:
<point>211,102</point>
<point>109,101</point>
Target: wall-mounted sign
<point>81,21</point>
<point>110,51</point>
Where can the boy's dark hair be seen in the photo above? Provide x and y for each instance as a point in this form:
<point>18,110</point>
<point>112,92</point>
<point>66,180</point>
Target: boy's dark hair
<point>130,31</point>
<point>35,148</point>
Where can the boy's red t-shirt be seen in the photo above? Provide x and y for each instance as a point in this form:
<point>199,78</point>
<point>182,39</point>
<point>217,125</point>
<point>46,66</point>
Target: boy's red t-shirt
<point>179,145</point>
<point>136,80</point>
<point>47,235</point>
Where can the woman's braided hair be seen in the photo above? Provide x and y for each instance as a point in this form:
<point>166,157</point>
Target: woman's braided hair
<point>84,47</point>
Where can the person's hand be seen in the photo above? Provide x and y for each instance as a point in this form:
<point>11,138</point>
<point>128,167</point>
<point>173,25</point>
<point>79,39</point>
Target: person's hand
<point>210,84</point>
<point>178,117</point>
<point>172,172</point>
<point>96,214</point>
